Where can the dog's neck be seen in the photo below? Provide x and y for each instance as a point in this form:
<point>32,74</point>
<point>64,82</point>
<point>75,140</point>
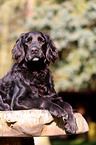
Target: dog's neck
<point>35,66</point>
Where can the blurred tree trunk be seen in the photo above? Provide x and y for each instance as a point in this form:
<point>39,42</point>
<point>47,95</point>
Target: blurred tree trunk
<point>5,59</point>
<point>29,6</point>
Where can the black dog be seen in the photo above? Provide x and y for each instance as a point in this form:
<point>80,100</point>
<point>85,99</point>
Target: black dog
<point>29,83</point>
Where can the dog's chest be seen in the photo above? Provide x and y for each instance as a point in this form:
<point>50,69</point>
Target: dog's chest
<point>38,84</point>
<point>35,78</point>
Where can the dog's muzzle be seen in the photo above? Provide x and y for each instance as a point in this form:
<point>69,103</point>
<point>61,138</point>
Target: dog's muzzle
<point>34,53</point>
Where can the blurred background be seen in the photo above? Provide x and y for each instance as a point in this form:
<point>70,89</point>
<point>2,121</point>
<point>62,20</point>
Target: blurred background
<point>72,26</point>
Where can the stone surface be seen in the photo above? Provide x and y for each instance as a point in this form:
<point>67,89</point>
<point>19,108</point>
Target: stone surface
<point>25,123</point>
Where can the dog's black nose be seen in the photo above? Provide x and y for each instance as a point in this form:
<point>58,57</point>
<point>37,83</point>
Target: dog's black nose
<point>34,50</point>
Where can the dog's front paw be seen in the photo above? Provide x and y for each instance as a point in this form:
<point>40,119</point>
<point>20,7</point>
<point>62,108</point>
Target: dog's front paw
<point>58,112</point>
<point>71,125</point>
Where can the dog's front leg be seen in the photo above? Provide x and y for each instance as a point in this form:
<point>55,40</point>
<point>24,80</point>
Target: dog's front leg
<point>45,104</point>
<point>19,91</point>
<point>70,122</point>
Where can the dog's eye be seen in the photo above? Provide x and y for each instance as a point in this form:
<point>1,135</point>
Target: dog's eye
<point>40,40</point>
<point>29,40</point>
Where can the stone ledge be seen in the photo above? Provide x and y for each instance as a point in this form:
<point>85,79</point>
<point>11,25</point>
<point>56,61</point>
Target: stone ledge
<point>26,123</point>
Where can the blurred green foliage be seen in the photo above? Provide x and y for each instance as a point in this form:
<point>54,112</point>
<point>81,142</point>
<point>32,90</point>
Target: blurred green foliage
<point>72,26</point>
<point>74,142</point>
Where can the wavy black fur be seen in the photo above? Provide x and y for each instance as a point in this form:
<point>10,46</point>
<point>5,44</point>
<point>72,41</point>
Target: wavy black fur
<point>29,83</point>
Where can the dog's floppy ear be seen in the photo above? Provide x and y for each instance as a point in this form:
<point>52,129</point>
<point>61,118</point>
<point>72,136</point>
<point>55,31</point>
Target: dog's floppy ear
<point>51,52</point>
<point>18,52</point>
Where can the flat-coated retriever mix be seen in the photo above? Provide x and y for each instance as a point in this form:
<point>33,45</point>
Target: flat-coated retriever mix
<point>29,83</point>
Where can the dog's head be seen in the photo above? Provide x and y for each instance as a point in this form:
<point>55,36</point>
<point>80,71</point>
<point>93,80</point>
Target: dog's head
<point>34,46</point>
